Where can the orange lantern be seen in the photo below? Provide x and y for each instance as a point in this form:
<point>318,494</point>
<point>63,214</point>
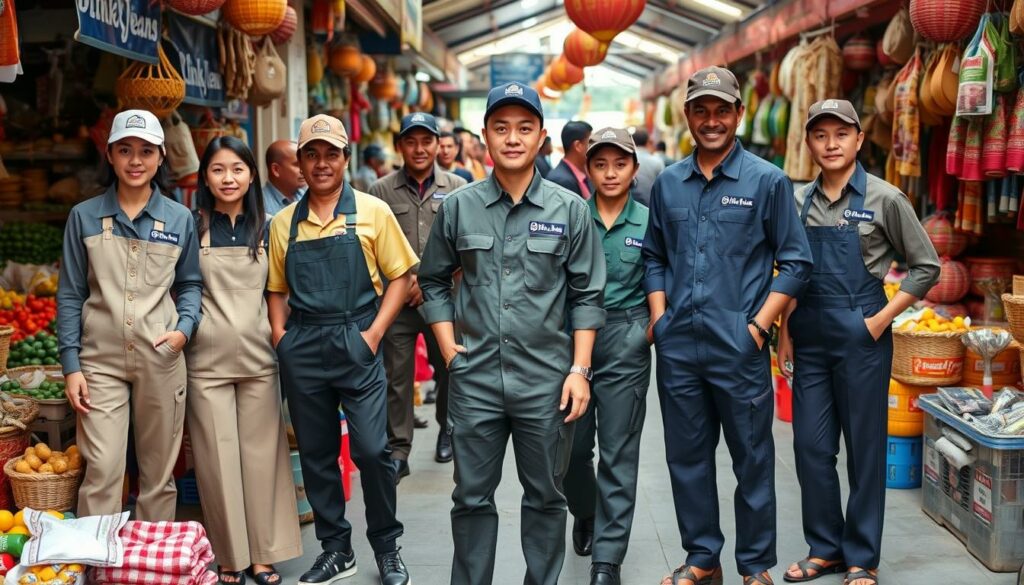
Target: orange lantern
<point>583,50</point>
<point>255,17</point>
<point>565,73</point>
<point>368,70</point>
<point>345,60</point>
<point>384,86</point>
<point>322,21</point>
<point>603,19</point>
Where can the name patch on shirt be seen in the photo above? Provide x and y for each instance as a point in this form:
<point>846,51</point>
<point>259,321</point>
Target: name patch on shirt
<point>634,242</point>
<point>859,215</point>
<point>546,228</point>
<point>730,201</point>
<point>439,195</point>
<point>163,237</point>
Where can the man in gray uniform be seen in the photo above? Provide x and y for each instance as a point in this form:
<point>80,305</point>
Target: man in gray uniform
<point>532,270</point>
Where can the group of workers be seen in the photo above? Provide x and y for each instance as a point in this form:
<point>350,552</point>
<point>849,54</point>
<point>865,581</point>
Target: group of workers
<point>538,303</point>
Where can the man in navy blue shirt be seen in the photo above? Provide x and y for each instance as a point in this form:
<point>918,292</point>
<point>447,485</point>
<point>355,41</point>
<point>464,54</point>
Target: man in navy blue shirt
<point>720,221</point>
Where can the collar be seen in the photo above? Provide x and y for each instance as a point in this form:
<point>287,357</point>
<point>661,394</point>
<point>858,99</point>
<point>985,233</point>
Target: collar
<point>412,182</point>
<point>278,195</point>
<point>858,182</point>
<point>346,204</point>
<point>156,207</point>
<point>534,193</point>
<point>730,167</point>
<point>220,216</point>
<point>580,175</point>
<point>629,214</point>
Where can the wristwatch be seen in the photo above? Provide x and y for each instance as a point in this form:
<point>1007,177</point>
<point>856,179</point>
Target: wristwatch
<point>764,333</point>
<point>584,371</point>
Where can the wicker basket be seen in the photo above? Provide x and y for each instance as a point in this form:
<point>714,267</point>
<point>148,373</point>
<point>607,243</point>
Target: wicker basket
<point>1018,285</point>
<point>43,492</point>
<point>6,331</point>
<point>255,17</point>
<point>157,88</point>
<point>1014,307</point>
<point>928,359</point>
<point>206,132</point>
<point>943,21</point>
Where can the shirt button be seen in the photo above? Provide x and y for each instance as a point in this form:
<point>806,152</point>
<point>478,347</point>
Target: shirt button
<point>135,249</point>
<point>506,306</point>
<point>131,297</point>
<point>508,271</point>
<point>703,218</point>
<point>128,321</point>
<point>504,339</point>
<point>508,238</point>
<point>131,273</point>
<point>131,347</point>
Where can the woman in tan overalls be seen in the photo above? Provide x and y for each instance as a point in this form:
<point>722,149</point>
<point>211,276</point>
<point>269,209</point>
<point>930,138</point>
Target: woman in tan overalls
<point>234,404</point>
<point>126,252</point>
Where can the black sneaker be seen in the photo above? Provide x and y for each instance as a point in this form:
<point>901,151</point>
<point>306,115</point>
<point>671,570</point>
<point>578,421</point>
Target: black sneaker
<point>330,567</point>
<point>604,574</point>
<point>392,569</point>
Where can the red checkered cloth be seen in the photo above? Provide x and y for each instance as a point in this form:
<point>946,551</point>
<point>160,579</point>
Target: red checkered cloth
<point>161,553</point>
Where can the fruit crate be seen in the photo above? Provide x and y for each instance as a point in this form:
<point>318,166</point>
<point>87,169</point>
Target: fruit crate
<point>981,503</point>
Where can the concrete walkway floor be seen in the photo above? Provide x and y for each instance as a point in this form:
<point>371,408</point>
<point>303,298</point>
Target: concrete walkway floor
<point>916,550</point>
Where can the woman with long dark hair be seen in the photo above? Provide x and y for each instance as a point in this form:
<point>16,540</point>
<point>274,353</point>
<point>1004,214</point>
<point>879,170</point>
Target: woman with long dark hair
<point>234,407</point>
<point>129,299</point>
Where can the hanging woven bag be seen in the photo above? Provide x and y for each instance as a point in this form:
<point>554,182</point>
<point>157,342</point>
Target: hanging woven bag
<point>945,82</point>
<point>1005,76</point>
<point>270,77</point>
<point>157,88</point>
<point>1017,17</point>
<point>898,42</point>
<point>906,135</point>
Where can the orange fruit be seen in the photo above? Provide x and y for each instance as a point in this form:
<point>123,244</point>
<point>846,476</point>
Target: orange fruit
<point>6,520</point>
<point>19,518</point>
<point>19,530</point>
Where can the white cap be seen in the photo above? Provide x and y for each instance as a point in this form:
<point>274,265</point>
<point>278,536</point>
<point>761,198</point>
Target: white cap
<point>138,123</point>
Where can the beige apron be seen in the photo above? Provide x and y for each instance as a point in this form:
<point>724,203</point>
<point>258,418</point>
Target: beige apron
<point>128,307</point>
<point>234,415</point>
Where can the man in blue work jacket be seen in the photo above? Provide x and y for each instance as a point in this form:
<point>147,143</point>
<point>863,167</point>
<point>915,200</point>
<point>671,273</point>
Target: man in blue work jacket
<point>720,221</point>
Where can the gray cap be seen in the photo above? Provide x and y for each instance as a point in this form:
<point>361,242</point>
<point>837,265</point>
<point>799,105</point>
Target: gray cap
<point>717,82</point>
<point>619,137</point>
<point>840,109</point>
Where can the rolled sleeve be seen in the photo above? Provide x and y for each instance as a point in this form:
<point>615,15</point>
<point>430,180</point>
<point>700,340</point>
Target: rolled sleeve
<point>394,254</point>
<point>440,260</point>
<point>907,236</point>
<point>71,294</point>
<point>188,282</point>
<point>789,239</point>
<point>586,274</point>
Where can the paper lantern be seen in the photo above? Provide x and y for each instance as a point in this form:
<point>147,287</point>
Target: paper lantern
<point>945,21</point>
<point>384,86</point>
<point>314,67</point>
<point>603,19</point>
<point>583,50</point>
<point>284,32</point>
<point>859,54</point>
<point>953,284</point>
<point>565,73</point>
<point>368,70</point>
<point>322,20</point>
<point>947,241</point>
<point>255,17</point>
<point>345,59</point>
<point>195,7</point>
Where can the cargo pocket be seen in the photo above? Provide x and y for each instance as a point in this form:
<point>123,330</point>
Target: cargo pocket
<point>543,263</point>
<point>639,410</point>
<point>160,262</point>
<point>179,411</point>
<point>563,451</point>
<point>761,412</point>
<point>733,231</point>
<point>475,253</point>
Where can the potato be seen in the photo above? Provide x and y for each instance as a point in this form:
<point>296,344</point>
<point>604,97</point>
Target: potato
<point>34,461</point>
<point>72,449</point>
<point>43,451</point>
<point>74,462</point>
<point>59,465</point>
<point>30,451</point>
<point>45,468</point>
<point>22,466</point>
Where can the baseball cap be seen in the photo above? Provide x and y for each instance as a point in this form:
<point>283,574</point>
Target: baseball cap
<point>841,109</point>
<point>718,82</point>
<point>139,124</point>
<point>323,127</point>
<point>514,93</point>
<point>419,120</point>
<point>619,137</point>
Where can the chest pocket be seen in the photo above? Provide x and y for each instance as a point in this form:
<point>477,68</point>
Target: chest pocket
<point>733,231</point>
<point>829,254</point>
<point>401,211</point>
<point>543,263</point>
<point>678,226</point>
<point>160,262</point>
<point>631,267</point>
<point>476,254</point>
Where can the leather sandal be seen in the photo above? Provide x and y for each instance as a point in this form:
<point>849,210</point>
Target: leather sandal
<point>266,577</point>
<point>762,578</point>
<point>238,575</point>
<point>860,575</point>
<point>807,565</point>
<point>685,573</point>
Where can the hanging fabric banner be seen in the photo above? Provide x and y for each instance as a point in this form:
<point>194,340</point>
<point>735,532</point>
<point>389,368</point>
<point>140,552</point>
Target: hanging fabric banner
<point>192,49</point>
<point>129,28</point>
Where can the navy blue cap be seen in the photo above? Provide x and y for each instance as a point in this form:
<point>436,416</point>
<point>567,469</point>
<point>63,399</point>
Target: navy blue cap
<point>514,94</point>
<point>419,120</point>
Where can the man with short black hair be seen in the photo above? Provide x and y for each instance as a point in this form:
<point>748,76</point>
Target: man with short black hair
<point>373,168</point>
<point>544,158</point>
<point>650,167</point>
<point>284,183</point>
<point>571,172</point>
<point>449,151</point>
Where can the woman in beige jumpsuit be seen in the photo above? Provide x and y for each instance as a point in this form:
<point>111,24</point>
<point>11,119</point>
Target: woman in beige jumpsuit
<point>234,403</point>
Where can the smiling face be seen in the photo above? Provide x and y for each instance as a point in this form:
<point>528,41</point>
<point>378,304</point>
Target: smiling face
<point>323,166</point>
<point>228,177</point>
<point>419,150</point>
<point>514,135</point>
<point>713,123</point>
<point>447,150</point>
<point>134,161</point>
<point>834,144</point>
<point>611,171</point>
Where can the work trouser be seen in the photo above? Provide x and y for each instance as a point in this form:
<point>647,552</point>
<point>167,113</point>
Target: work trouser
<point>243,470</point>
<point>483,418</point>
<point>399,347</point>
<point>618,406</point>
<point>325,363</point>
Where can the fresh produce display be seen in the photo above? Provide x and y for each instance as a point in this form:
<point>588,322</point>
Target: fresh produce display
<point>44,286</point>
<point>928,321</point>
<point>891,288</point>
<point>30,243</point>
<point>41,459</point>
<point>35,350</point>
<point>29,318</point>
<point>52,574</point>
<point>10,299</point>
<point>46,391</point>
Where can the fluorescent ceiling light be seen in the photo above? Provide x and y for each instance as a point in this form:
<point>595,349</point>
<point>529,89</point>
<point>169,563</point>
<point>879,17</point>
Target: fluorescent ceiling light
<point>529,22</point>
<point>721,7</point>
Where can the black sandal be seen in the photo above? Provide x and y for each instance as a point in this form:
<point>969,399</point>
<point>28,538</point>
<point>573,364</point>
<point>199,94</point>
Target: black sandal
<point>860,575</point>
<point>686,572</point>
<point>762,578</point>
<point>266,577</point>
<point>807,565</point>
<point>239,575</point>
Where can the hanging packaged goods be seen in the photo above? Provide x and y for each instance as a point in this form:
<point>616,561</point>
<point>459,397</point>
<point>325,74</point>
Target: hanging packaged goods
<point>810,72</point>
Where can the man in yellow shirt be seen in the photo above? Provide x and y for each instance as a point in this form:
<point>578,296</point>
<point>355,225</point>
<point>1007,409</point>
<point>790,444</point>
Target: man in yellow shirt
<point>328,253</point>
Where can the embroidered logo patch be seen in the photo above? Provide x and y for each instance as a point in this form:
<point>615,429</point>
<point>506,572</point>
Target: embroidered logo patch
<point>730,201</point>
<point>339,232</point>
<point>859,215</point>
<point>513,90</point>
<point>320,127</point>
<point>608,134</point>
<point>419,118</point>
<point>634,242</point>
<point>135,121</point>
<point>830,105</point>
<point>546,228</point>
<point>163,237</point>
<point>439,195</point>
<point>712,80</point>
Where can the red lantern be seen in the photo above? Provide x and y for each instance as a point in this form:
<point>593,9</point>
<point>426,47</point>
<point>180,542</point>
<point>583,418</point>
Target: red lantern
<point>255,17</point>
<point>284,32</point>
<point>945,21</point>
<point>583,50</point>
<point>195,7</point>
<point>368,70</point>
<point>565,73</point>
<point>603,19</point>
<point>859,54</point>
<point>947,241</point>
<point>322,21</point>
<point>953,284</point>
